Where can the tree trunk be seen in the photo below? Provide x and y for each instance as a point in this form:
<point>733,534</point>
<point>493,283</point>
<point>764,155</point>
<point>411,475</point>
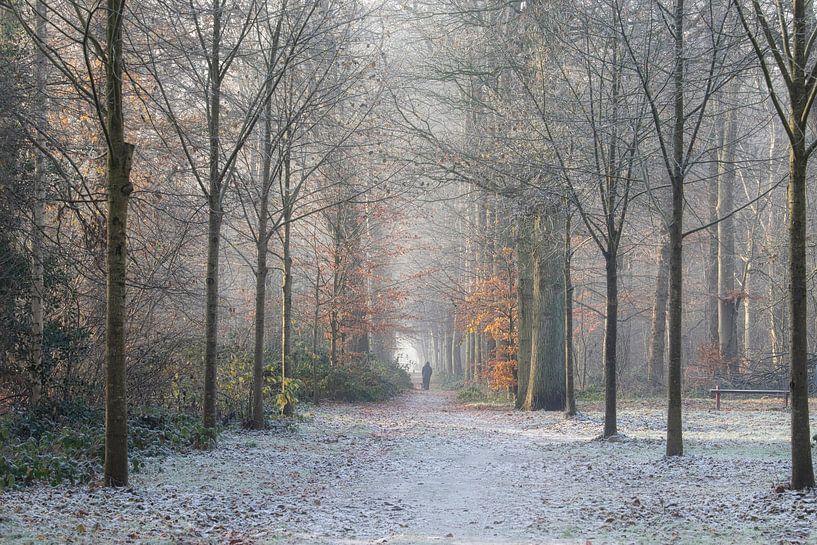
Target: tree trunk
<point>286,285</point>
<point>38,213</point>
<point>215,216</point>
<point>120,157</point>
<point>257,416</point>
<point>524,260</point>
<point>711,264</point>
<point>727,300</point>
<point>802,470</point>
<point>610,342</point>
<point>675,443</point>
<point>658,328</point>
<point>570,390</point>
<point>449,352</point>
<point>457,353</point>
<point>546,382</point>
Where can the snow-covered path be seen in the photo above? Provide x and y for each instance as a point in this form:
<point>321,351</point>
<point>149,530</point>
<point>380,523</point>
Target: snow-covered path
<point>423,470</point>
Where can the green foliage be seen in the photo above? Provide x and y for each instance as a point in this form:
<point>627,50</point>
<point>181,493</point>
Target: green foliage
<point>478,394</point>
<point>450,381</point>
<point>64,442</point>
<point>359,380</point>
<point>288,396</point>
<point>593,393</point>
<point>235,385</point>
<point>366,380</point>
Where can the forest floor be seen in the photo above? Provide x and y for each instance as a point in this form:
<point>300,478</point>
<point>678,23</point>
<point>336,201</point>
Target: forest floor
<point>424,470</point>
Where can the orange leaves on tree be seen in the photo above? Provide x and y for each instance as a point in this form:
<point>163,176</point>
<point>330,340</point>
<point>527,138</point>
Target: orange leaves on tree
<point>490,308</point>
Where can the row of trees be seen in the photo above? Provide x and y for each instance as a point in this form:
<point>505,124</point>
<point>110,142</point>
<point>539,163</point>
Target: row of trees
<point>153,134</point>
<point>612,134</point>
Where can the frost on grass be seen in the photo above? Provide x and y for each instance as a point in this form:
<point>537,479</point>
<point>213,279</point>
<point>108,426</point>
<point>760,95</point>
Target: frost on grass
<point>421,470</point>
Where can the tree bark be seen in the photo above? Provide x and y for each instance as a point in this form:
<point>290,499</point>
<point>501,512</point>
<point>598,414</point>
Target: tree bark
<point>214,221</point>
<point>675,443</point>
<point>610,343</point>
<point>658,327</point>
<point>524,260</point>
<point>711,265</point>
<point>546,382</point>
<point>286,285</point>
<point>38,213</point>
<point>570,390</point>
<point>257,417</point>
<point>802,469</point>
<point>120,157</point>
<point>727,301</point>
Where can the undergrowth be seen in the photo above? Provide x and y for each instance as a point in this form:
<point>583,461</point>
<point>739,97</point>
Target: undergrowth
<point>481,395</point>
<point>365,379</point>
<point>65,442</point>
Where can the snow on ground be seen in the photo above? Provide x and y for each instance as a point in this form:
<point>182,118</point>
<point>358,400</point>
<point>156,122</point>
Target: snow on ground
<point>422,470</point>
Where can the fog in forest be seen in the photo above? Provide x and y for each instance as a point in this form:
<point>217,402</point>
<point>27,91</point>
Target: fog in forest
<point>226,222</point>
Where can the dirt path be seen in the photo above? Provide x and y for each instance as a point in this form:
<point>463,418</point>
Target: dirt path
<point>422,470</point>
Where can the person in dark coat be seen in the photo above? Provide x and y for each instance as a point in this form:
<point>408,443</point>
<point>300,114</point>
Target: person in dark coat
<point>426,375</point>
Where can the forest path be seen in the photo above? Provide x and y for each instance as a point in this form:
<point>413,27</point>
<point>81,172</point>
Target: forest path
<point>423,470</point>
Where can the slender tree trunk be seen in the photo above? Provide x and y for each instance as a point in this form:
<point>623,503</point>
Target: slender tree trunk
<point>262,249</point>
<point>456,353</point>
<point>286,285</point>
<point>38,213</point>
<point>802,470</point>
<point>472,343</point>
<point>524,248</point>
<point>658,328</point>
<point>215,216</point>
<point>727,300</point>
<point>449,352</point>
<point>711,265</point>
<point>675,443</point>
<point>120,157</point>
<point>748,314</point>
<point>610,342</point>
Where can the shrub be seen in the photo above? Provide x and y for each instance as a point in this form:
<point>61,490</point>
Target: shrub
<point>64,442</point>
<point>360,380</point>
<point>482,395</point>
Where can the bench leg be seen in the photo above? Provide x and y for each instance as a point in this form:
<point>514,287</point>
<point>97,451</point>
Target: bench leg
<point>717,401</point>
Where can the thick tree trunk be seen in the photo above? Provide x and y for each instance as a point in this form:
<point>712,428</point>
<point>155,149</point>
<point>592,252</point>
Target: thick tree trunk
<point>215,216</point>
<point>546,382</point>
<point>120,157</point>
<point>658,327</point>
<point>524,260</point>
<point>727,300</point>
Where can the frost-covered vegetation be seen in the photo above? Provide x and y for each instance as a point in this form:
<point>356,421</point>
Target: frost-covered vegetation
<point>423,467</point>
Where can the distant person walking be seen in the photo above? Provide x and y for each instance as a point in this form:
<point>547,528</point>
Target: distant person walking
<point>426,375</point>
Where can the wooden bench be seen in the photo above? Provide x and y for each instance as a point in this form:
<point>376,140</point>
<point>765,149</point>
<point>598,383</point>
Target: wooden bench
<point>718,391</point>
